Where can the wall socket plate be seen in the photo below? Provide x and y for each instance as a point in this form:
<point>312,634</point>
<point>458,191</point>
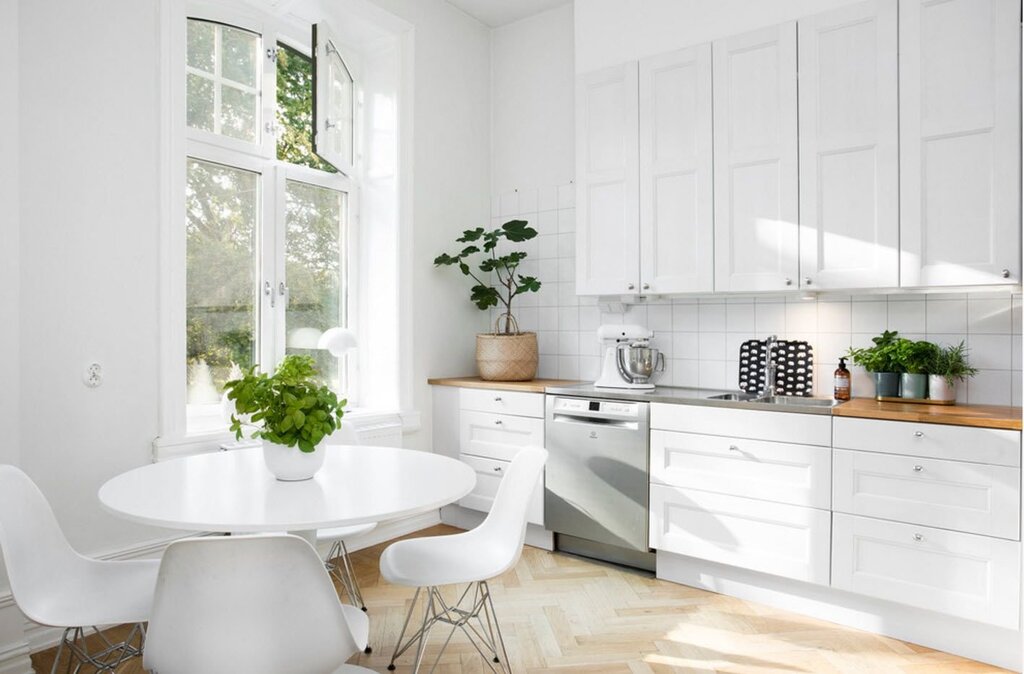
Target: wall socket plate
<point>93,375</point>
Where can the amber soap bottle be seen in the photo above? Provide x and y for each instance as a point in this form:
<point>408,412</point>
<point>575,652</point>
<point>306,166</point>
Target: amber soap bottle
<point>842,381</point>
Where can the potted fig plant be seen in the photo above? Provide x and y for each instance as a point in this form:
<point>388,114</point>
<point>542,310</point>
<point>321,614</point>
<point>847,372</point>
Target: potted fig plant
<point>506,354</point>
<point>949,365</point>
<point>290,411</point>
<point>913,359</point>
<point>880,361</point>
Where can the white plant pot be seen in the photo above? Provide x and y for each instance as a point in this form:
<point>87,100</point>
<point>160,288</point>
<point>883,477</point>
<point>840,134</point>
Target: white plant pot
<point>291,464</point>
<point>940,389</point>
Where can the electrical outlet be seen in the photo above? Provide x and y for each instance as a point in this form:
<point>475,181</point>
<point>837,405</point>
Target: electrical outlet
<point>93,375</point>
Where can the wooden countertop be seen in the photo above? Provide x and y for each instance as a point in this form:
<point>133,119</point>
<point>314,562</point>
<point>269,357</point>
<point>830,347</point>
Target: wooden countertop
<point>983,416</point>
<point>532,386</point>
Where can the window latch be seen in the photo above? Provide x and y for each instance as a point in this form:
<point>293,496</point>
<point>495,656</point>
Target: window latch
<point>268,290</point>
<point>272,55</point>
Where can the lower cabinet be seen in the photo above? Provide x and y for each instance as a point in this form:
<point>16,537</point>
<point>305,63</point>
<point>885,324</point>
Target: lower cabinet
<point>488,476</point>
<point>780,539</point>
<point>965,575</point>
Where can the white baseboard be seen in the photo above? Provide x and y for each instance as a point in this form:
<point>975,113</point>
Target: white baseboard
<point>464,518</point>
<point>14,659</point>
<point>985,643</point>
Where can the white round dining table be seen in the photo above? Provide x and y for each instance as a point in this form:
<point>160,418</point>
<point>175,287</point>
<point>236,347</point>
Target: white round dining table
<point>233,491</point>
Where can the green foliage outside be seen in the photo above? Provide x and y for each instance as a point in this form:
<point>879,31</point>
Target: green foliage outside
<point>509,283</point>
<point>295,110</point>
<point>289,407</point>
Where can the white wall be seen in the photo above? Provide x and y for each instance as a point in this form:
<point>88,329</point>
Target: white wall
<point>9,416</point>
<point>609,32</point>
<point>532,102</point>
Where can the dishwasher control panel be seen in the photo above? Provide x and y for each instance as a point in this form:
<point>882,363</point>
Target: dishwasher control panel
<point>597,408</point>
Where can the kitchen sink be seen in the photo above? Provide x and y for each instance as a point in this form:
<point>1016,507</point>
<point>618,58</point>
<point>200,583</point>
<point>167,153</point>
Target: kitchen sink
<point>738,397</point>
<point>796,401</point>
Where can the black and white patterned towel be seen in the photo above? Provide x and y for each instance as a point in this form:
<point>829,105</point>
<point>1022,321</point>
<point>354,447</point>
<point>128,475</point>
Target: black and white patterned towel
<point>794,374</point>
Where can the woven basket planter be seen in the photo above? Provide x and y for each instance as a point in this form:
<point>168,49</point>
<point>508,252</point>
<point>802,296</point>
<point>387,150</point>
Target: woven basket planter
<point>507,357</point>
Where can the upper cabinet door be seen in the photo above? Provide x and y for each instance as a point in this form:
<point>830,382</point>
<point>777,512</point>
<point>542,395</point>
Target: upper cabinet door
<point>676,197</point>
<point>756,234</point>
<point>607,182</point>
<point>960,142</point>
<point>849,148</point>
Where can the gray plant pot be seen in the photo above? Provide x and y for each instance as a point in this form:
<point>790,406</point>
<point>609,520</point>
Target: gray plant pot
<point>887,384</point>
<point>913,385</point>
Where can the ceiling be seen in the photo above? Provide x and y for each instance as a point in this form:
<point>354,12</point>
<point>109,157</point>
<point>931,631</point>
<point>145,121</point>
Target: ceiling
<point>496,13</point>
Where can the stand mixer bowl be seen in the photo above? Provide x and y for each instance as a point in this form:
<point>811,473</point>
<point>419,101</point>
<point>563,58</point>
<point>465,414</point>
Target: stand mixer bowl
<point>638,363</point>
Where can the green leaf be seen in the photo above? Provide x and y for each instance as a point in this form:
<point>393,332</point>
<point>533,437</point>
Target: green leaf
<point>484,297</point>
<point>471,235</point>
<point>518,230</point>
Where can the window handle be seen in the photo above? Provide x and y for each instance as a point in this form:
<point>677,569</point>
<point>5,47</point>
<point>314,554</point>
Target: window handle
<point>269,292</point>
<point>282,289</point>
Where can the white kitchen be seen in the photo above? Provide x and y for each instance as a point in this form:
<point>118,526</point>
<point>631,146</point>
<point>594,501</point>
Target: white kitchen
<point>511,335</point>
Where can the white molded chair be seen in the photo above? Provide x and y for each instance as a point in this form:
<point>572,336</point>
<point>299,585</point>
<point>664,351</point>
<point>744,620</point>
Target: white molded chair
<point>254,604</point>
<point>344,435</point>
<point>472,557</point>
<point>54,585</point>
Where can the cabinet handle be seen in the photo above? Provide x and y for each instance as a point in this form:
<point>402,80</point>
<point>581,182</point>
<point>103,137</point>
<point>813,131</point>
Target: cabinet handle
<point>647,286</point>
<point>630,286</point>
<point>1006,273</point>
<point>497,469</point>
<point>497,399</point>
<point>497,422</point>
<point>918,434</point>
<point>918,537</point>
<point>789,281</point>
<point>918,469</point>
<point>733,448</point>
<point>807,280</point>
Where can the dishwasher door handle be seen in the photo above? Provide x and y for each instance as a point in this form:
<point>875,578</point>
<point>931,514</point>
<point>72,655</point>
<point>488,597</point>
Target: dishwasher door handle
<point>595,419</point>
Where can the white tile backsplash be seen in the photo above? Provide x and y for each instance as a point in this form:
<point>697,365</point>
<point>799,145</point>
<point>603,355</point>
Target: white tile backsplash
<point>700,336</point>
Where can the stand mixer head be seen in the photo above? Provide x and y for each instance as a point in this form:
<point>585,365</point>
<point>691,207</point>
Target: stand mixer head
<point>629,360</point>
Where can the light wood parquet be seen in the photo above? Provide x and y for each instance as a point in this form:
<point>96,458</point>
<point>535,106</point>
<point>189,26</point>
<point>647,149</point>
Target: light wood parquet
<point>564,614</point>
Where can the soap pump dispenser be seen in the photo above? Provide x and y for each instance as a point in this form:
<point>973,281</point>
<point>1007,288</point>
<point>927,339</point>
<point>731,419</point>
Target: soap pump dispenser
<point>842,381</point>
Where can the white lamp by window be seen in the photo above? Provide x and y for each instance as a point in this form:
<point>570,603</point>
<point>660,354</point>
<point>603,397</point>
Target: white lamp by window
<point>338,341</point>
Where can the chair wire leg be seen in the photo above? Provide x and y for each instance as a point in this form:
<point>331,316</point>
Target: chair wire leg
<point>492,616</point>
<point>60,650</point>
<point>357,593</point>
<point>428,615</point>
<point>398,644</point>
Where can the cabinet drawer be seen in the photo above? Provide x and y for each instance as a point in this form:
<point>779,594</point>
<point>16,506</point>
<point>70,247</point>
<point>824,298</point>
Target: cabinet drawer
<point>502,402</point>
<point>805,429</point>
<point>966,575</point>
<point>962,443</point>
<point>972,497</point>
<point>498,436</point>
<point>783,540</point>
<point>773,471</point>
<point>488,476</point>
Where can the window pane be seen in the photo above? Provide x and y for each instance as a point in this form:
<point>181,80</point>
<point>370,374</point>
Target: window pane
<point>200,103</point>
<point>238,113</point>
<point>200,44</point>
<point>222,207</point>
<point>313,250</point>
<point>340,93</point>
<point>238,55</point>
<point>295,109</point>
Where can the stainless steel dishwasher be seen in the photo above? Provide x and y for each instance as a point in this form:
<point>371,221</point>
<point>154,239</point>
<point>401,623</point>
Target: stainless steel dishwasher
<point>596,483</point>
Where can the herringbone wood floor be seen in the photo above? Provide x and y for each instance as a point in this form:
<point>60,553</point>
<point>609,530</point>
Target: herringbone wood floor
<point>570,615</point>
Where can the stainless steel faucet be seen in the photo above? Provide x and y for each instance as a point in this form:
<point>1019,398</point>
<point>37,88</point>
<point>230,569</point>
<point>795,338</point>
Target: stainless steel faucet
<point>770,368</point>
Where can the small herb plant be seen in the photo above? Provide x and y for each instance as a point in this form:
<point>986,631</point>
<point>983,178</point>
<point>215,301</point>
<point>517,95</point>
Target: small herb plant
<point>950,362</point>
<point>881,357</point>
<point>914,357</point>
<point>289,407</point>
<point>509,283</point>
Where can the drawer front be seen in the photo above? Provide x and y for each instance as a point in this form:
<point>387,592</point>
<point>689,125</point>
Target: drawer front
<point>773,471</point>
<point>959,443</point>
<point>804,429</point>
<point>972,497</point>
<point>965,575</point>
<point>502,402</point>
<point>488,476</point>
<point>498,436</point>
<point>782,540</point>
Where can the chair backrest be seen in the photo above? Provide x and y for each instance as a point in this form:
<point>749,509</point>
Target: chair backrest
<point>34,547</point>
<point>505,525</point>
<point>345,434</point>
<point>254,604</point>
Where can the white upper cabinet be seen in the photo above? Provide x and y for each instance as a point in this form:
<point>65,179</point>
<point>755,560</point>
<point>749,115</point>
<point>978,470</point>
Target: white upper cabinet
<point>960,142</point>
<point>607,179</point>
<point>755,158</point>
<point>849,148</point>
<point>676,199</point>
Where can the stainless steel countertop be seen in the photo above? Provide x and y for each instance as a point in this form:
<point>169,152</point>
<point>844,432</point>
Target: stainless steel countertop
<point>688,396</point>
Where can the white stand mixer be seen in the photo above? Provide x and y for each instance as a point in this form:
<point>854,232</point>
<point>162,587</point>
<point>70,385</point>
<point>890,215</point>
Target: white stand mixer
<point>629,360</point>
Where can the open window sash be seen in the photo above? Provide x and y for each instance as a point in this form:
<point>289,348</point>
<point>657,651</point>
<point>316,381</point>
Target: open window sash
<point>333,102</point>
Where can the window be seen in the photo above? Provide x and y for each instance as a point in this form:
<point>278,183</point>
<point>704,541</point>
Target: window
<point>266,220</point>
<point>334,139</point>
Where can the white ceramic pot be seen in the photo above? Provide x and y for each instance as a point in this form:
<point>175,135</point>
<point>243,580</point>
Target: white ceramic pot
<point>940,389</point>
<point>291,464</point>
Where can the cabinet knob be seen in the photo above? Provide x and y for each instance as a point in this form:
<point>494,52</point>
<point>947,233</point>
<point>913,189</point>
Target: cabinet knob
<point>497,399</point>
<point>733,448</point>
<point>807,280</point>
<point>918,469</point>
<point>497,469</point>
<point>918,434</point>
<point>789,281</point>
<point>918,537</point>
<point>647,286</point>
<point>1006,273</point>
<point>497,422</point>
<point>630,286</point>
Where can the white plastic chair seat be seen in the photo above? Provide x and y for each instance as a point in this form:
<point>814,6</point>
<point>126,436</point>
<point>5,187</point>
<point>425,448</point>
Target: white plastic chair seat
<point>98,593</point>
<point>358,624</point>
<point>446,560</point>
<point>335,533</point>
